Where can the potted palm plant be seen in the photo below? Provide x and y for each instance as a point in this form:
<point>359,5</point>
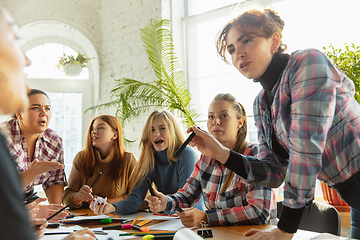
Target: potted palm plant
<point>72,66</point>
<point>166,90</point>
<point>348,61</point>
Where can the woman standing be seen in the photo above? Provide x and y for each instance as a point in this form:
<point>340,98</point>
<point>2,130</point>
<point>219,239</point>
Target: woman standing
<point>103,168</point>
<point>36,149</point>
<point>307,119</point>
<point>229,200</point>
<point>160,139</point>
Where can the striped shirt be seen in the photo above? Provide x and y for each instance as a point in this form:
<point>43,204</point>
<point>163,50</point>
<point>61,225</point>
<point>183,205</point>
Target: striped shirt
<point>241,203</point>
<point>316,119</point>
<point>48,147</point>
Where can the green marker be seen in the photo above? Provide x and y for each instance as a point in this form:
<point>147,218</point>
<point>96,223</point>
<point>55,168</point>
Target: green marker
<point>126,234</point>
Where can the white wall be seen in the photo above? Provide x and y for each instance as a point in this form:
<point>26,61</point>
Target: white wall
<point>113,27</point>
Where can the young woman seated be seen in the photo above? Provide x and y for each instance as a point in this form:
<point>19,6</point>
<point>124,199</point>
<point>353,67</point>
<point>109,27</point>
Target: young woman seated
<point>103,168</point>
<point>37,149</point>
<point>160,139</point>
<point>228,198</point>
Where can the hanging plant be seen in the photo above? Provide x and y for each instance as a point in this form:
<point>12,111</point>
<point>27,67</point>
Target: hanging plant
<point>72,66</point>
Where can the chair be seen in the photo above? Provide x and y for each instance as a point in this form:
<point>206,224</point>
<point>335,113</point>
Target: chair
<point>318,217</point>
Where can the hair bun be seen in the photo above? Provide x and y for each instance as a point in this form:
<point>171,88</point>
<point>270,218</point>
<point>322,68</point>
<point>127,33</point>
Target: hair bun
<point>275,18</point>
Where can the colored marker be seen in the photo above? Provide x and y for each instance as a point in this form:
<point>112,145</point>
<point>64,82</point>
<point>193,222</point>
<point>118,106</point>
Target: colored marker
<point>117,227</point>
<point>182,147</point>
<point>148,182</point>
<point>177,207</point>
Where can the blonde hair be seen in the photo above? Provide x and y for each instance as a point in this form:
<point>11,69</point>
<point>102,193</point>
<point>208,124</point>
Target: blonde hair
<point>146,160</point>
<point>240,144</point>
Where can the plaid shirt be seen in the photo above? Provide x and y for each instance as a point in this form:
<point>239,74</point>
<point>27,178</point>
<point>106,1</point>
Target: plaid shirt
<point>316,119</point>
<point>240,203</point>
<point>48,147</point>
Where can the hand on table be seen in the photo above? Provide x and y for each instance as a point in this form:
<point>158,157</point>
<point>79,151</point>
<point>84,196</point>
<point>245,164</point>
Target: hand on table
<point>101,208</point>
<point>42,167</point>
<point>273,234</point>
<point>191,217</point>
<point>41,229</point>
<point>208,145</point>
<point>79,235</point>
<point>157,203</point>
<point>44,211</point>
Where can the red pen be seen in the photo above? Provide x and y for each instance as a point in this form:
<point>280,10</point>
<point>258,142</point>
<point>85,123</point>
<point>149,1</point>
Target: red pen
<point>159,214</point>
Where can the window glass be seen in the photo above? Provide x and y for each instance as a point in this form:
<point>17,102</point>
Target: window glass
<point>45,57</point>
<point>66,109</point>
<point>201,6</point>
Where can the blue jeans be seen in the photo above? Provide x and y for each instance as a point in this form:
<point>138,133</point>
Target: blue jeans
<point>349,191</point>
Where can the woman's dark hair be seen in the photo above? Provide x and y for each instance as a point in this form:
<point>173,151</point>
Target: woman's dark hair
<point>263,24</point>
<point>32,92</point>
<point>37,91</point>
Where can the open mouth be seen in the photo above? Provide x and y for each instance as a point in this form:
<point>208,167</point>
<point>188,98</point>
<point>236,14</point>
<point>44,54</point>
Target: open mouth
<point>158,142</point>
<point>42,122</point>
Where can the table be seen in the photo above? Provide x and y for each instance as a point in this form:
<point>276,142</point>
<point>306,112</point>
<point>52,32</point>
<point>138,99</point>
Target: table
<point>219,232</point>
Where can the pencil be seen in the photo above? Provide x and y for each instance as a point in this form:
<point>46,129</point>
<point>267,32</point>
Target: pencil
<point>96,180</point>
<point>155,234</point>
<point>57,212</point>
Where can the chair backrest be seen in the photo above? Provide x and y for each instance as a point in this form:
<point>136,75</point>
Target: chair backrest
<point>318,217</point>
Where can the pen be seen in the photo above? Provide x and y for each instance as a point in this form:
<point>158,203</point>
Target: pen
<point>126,234</point>
<point>155,234</point>
<point>28,197</point>
<point>182,147</point>
<point>57,212</point>
<point>148,182</point>
<point>94,221</point>
<point>159,214</point>
<point>99,232</point>
<point>177,207</point>
<point>96,180</point>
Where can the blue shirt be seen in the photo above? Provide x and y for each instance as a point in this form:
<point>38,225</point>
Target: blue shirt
<point>168,178</point>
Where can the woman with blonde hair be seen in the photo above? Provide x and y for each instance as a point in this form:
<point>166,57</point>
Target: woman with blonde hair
<point>160,138</point>
<point>228,198</point>
<point>103,168</point>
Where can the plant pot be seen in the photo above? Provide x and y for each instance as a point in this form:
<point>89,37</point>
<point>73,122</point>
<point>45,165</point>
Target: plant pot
<point>331,196</point>
<point>72,70</point>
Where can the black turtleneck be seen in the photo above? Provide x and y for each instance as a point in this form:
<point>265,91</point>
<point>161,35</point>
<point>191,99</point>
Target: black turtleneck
<point>268,81</point>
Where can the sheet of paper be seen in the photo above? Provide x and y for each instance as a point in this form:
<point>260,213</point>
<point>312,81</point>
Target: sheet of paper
<point>170,225</point>
<point>62,229</point>
<point>186,233</point>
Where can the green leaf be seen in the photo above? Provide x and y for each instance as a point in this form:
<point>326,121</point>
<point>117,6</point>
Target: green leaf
<point>132,97</point>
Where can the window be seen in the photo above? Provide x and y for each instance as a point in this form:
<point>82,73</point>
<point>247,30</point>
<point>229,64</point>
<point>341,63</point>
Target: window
<point>44,57</point>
